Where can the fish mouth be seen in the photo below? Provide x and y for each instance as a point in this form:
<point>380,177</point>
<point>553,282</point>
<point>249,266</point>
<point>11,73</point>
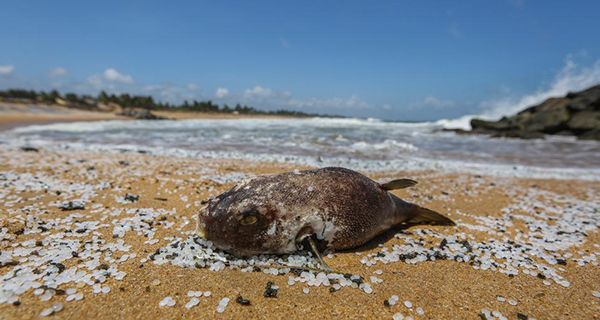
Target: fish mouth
<point>201,232</point>
<point>304,234</point>
<point>201,228</point>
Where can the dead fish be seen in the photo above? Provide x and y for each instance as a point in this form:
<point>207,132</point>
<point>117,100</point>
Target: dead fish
<point>337,207</point>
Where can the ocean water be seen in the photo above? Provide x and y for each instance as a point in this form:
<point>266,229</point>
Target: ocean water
<point>357,143</point>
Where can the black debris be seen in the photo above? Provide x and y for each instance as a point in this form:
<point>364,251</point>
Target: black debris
<point>358,280</point>
<point>270,292</point>
<point>123,163</point>
<point>561,262</point>
<point>30,149</point>
<point>467,245</point>
<point>68,206</point>
<point>443,244</point>
<point>61,267</point>
<point>242,301</point>
<point>131,197</point>
<point>59,292</point>
<point>296,271</point>
<point>522,316</point>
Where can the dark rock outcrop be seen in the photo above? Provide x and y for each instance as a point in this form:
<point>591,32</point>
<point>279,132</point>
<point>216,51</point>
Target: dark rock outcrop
<point>585,120</point>
<point>577,114</point>
<point>521,134</point>
<point>590,135</point>
<point>141,114</point>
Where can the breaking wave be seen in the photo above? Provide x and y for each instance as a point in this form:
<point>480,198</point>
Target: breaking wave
<point>571,78</point>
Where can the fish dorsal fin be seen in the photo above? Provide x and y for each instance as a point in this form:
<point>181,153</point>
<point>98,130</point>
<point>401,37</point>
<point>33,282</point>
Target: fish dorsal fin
<point>398,184</point>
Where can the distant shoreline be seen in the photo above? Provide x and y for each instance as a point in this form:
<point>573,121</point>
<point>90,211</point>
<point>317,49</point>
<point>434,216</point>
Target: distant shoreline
<point>19,114</point>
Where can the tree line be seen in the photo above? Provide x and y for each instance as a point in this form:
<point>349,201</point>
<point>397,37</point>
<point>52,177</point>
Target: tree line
<point>126,100</point>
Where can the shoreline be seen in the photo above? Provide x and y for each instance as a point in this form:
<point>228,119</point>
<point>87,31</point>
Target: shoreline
<point>13,115</point>
<point>15,120</point>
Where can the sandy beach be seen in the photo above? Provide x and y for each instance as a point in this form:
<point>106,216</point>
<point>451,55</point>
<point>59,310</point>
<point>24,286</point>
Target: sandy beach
<point>481,263</point>
<point>394,160</point>
<point>14,115</point>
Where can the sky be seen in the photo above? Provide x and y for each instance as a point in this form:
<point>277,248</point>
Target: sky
<point>397,60</point>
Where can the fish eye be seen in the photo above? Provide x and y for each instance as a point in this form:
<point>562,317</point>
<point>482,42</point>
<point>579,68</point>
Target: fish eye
<point>249,219</point>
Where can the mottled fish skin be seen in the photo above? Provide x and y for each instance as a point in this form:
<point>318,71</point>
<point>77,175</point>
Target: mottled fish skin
<point>343,208</point>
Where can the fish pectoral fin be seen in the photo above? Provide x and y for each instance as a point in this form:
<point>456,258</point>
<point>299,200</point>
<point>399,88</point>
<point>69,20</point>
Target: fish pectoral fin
<point>315,250</point>
<point>398,184</point>
<point>424,215</point>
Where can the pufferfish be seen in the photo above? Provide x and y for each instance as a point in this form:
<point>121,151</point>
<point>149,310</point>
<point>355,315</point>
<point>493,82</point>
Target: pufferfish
<point>331,207</point>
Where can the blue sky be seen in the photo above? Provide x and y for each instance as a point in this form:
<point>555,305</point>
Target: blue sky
<point>411,60</point>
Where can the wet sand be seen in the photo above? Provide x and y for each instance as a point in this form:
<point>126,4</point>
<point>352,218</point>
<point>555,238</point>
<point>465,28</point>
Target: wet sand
<point>14,115</point>
<point>35,184</point>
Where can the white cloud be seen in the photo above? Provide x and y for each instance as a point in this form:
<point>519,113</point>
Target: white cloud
<point>261,96</point>
<point>6,69</point>
<point>167,92</point>
<point>57,72</point>
<point>111,74</point>
<point>352,102</point>
<point>221,92</point>
<point>98,83</point>
<point>431,102</point>
<point>257,92</point>
<point>193,86</point>
<point>111,80</point>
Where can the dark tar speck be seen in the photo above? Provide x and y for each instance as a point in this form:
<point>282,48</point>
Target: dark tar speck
<point>269,291</point>
<point>242,301</point>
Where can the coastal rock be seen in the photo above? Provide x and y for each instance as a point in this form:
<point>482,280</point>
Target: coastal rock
<point>501,125</point>
<point>578,114</point>
<point>140,114</point>
<point>585,100</point>
<point>521,134</point>
<point>585,121</point>
<point>548,117</point>
<point>591,135</point>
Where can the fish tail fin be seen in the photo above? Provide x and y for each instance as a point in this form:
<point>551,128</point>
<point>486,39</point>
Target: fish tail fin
<point>415,214</point>
<point>427,216</point>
